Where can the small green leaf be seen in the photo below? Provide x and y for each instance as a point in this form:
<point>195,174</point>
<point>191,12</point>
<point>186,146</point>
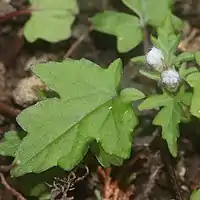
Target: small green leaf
<point>185,98</point>
<point>146,10</point>
<point>167,27</point>
<point>10,143</point>
<point>139,59</point>
<point>105,159</point>
<point>89,109</point>
<point>169,118</point>
<point>194,81</point>
<point>197,57</point>
<point>34,185</point>
<point>185,56</point>
<point>154,75</point>
<point>155,101</point>
<point>195,195</point>
<point>125,27</point>
<point>184,71</point>
<point>168,40</point>
<point>129,95</point>
<point>177,22</point>
<point>50,20</point>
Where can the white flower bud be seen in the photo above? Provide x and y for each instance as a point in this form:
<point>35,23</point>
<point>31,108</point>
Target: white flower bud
<point>170,77</point>
<point>155,58</point>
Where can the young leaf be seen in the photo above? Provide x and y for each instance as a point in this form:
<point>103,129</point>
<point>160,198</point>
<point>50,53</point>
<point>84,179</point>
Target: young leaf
<point>197,57</point>
<point>184,71</point>
<point>50,20</point>
<point>105,159</point>
<point>194,81</point>
<point>169,118</point>
<point>184,97</point>
<point>10,143</point>
<point>155,101</point>
<point>125,27</point>
<point>154,75</point>
<point>177,22</point>
<point>131,94</point>
<point>185,56</point>
<point>146,10</point>
<point>60,131</point>
<point>139,59</point>
<point>195,195</point>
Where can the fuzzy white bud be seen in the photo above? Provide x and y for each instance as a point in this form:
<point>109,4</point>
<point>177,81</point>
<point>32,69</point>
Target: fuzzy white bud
<point>155,58</point>
<point>170,77</point>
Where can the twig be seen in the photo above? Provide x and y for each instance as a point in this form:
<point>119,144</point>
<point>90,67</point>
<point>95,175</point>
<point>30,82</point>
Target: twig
<point>148,187</point>
<point>13,14</point>
<point>77,43</point>
<point>10,189</point>
<point>152,180</point>
<point>7,110</point>
<point>7,168</point>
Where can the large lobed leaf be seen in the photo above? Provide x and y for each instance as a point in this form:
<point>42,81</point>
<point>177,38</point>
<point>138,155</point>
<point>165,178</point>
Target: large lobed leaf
<point>50,20</point>
<point>89,110</point>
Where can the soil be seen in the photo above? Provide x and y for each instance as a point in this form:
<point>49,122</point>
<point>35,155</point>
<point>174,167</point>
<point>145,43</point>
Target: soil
<point>151,173</point>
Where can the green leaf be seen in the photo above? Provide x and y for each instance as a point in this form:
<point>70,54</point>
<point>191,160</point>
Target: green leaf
<point>146,10</point>
<point>184,71</point>
<point>50,20</point>
<point>105,159</point>
<point>177,22</point>
<point>154,75</point>
<point>167,27</point>
<point>169,118</point>
<point>185,98</point>
<point>197,57</point>
<point>168,40</point>
<point>140,59</point>
<point>155,101</point>
<point>168,43</point>
<point>125,27</point>
<point>185,56</point>
<point>60,131</point>
<point>195,195</point>
<point>10,143</point>
<point>34,185</point>
<point>131,94</point>
<point>46,196</point>
<point>194,81</point>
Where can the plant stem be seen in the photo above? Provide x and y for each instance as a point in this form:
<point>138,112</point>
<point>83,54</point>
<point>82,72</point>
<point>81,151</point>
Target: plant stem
<point>146,40</point>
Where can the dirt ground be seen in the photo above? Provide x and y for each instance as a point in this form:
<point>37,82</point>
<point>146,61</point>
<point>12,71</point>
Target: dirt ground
<point>151,173</point>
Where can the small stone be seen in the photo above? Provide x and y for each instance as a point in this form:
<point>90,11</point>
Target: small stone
<point>25,93</point>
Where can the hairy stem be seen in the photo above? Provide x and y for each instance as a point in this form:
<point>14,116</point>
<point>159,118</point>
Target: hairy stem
<point>145,40</point>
